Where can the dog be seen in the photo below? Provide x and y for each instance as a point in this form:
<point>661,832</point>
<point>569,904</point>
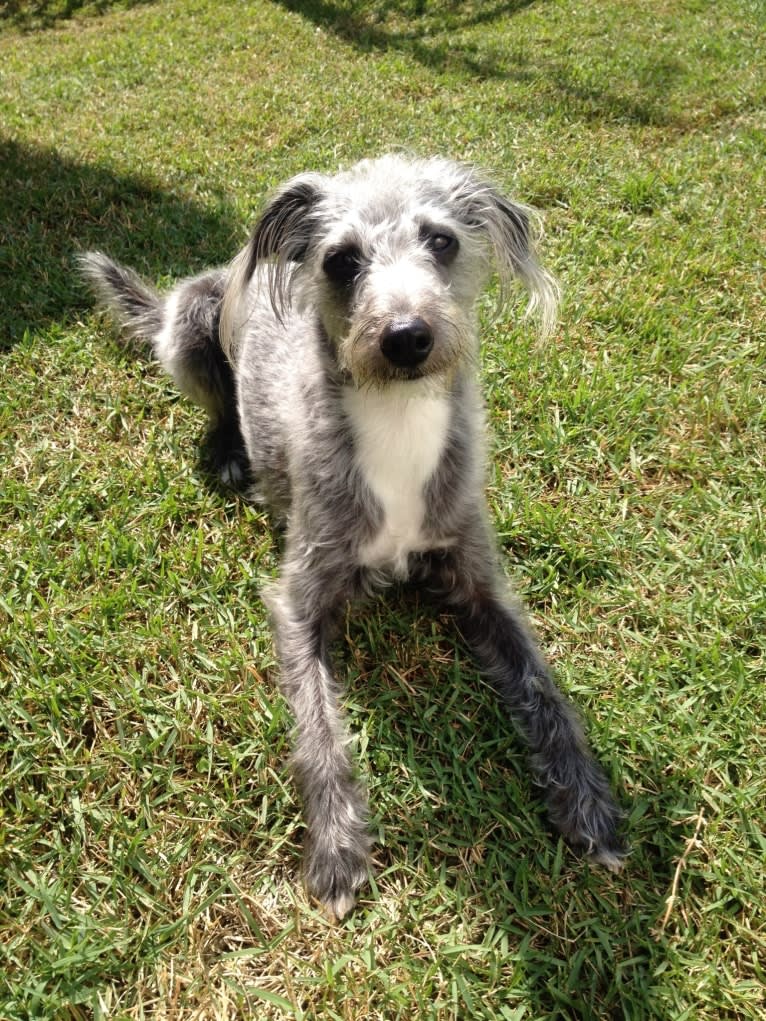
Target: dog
<point>336,357</point>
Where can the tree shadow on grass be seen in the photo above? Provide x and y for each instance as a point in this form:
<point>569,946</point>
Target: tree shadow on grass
<point>423,30</point>
<point>429,33</point>
<point>35,14</point>
<point>51,208</point>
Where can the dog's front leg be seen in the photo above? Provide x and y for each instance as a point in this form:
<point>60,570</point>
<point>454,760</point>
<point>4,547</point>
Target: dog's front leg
<point>579,800</point>
<point>335,808</point>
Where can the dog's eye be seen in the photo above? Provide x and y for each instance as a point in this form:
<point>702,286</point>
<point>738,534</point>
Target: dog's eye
<point>343,265</point>
<point>443,246</point>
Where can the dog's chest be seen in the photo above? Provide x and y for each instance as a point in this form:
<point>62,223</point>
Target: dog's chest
<point>399,439</point>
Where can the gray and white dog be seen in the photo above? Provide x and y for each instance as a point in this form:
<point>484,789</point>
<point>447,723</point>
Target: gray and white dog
<point>337,358</point>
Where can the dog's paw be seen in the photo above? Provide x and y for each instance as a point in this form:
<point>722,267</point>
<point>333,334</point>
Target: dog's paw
<point>596,836</point>
<point>334,875</point>
<point>586,815</point>
<point>232,473</point>
<point>611,858</point>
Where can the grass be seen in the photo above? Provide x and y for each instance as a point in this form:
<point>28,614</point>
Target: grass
<point>149,832</point>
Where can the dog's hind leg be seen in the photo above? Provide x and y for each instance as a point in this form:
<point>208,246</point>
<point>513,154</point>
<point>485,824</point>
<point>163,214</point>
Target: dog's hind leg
<point>189,347</point>
<point>181,330</point>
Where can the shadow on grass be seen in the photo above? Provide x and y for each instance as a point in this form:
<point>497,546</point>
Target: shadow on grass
<point>419,28</point>
<point>428,32</point>
<point>52,208</point>
<point>35,14</point>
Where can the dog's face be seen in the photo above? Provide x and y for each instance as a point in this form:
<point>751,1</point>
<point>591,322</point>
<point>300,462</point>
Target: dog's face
<point>393,254</point>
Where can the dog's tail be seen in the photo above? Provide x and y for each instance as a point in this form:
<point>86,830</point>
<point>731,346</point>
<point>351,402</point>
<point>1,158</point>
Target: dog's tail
<point>180,330</point>
<point>138,306</point>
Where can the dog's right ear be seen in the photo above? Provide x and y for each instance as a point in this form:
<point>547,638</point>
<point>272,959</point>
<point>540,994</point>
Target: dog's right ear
<point>281,238</point>
<point>286,226</point>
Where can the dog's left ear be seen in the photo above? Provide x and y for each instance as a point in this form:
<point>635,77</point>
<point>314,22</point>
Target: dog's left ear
<point>511,230</point>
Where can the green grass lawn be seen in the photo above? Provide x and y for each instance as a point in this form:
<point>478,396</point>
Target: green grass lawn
<point>150,836</point>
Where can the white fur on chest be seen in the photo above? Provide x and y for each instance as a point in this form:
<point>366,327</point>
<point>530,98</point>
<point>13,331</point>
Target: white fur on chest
<point>400,433</point>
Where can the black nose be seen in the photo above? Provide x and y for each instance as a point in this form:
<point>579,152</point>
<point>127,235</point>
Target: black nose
<point>407,342</point>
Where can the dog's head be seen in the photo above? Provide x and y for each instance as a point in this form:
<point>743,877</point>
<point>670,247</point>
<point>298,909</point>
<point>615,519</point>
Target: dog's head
<point>392,255</point>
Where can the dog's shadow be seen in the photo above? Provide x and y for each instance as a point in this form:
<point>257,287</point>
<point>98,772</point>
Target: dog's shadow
<point>53,208</point>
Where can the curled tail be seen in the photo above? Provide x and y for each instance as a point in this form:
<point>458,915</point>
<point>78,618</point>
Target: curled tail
<point>138,306</point>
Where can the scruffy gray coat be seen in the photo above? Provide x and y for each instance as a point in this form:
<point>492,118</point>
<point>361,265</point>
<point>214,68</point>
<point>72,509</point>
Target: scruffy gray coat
<point>337,359</point>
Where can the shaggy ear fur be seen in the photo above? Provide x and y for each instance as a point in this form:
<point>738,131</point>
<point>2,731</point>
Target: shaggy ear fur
<point>511,229</point>
<point>286,224</point>
<point>281,237</point>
